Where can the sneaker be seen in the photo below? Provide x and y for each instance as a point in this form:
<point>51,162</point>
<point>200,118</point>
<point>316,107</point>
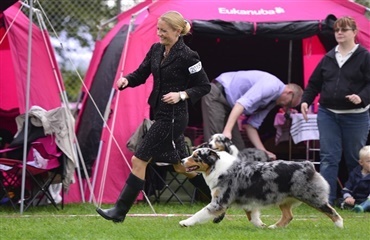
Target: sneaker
<point>358,209</point>
<point>345,206</point>
<point>366,205</point>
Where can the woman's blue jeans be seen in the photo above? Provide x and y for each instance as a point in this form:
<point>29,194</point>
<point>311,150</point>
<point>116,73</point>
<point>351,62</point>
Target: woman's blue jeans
<point>340,134</point>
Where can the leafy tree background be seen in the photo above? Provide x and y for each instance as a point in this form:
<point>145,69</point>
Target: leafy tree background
<point>74,27</point>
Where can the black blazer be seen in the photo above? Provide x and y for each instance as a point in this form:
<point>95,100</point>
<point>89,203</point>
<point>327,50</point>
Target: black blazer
<point>181,70</point>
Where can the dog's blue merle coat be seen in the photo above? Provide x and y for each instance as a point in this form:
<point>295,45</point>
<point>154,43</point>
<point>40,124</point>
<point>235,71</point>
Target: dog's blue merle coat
<point>247,181</point>
<point>252,185</point>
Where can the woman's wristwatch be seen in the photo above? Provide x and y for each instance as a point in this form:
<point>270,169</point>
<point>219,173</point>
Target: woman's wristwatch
<point>182,96</point>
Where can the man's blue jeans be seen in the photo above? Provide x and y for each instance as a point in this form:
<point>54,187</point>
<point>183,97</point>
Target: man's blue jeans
<point>340,133</point>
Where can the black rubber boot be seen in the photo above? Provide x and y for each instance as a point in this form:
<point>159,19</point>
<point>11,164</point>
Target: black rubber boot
<point>201,185</point>
<point>124,202</point>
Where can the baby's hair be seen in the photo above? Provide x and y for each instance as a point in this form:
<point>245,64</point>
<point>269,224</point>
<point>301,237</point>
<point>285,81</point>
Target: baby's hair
<point>364,152</point>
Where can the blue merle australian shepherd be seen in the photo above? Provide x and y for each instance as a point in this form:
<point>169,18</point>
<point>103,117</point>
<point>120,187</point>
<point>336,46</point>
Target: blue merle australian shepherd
<point>252,185</point>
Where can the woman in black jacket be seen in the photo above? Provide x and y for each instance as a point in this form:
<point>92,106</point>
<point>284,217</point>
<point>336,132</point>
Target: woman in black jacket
<point>342,79</point>
<point>178,75</point>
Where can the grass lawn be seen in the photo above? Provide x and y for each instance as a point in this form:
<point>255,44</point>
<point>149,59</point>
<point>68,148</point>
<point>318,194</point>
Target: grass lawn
<point>80,221</point>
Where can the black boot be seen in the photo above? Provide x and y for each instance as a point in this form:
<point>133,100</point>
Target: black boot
<point>201,185</point>
<point>124,202</point>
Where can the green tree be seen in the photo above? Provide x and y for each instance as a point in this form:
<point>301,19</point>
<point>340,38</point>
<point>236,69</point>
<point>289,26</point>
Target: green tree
<point>77,22</point>
<point>365,3</point>
<point>73,21</point>
<point>77,17</point>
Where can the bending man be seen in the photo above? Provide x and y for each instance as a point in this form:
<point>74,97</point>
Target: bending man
<point>254,93</point>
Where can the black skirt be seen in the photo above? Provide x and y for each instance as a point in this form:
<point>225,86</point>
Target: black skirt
<point>165,140</point>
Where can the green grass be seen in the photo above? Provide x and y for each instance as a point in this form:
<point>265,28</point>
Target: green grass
<point>80,221</point>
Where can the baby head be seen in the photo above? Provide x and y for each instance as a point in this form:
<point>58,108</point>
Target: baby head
<point>365,159</point>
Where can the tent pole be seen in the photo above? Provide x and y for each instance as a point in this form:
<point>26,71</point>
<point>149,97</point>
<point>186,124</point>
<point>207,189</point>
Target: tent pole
<point>290,61</point>
<point>289,81</point>
<point>97,161</point>
<point>73,141</point>
<point>102,186</point>
<point>79,174</point>
<point>28,79</point>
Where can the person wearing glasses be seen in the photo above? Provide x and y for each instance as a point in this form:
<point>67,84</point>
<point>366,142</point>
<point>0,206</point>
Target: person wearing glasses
<point>342,78</point>
<point>253,93</point>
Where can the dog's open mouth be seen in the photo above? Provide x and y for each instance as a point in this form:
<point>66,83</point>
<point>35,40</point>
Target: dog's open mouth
<point>192,168</point>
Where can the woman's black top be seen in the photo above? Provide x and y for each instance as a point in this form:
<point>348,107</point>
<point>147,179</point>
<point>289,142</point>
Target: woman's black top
<point>180,70</point>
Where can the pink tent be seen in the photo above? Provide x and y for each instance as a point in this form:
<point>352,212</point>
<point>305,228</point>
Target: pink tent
<point>286,38</point>
<point>45,76</point>
<point>99,82</point>
<point>46,88</point>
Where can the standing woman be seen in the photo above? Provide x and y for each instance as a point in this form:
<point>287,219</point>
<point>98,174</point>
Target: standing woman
<point>178,75</point>
<point>342,78</point>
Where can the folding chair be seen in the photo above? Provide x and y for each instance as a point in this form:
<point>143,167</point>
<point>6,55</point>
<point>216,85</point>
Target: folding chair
<point>164,182</point>
<point>43,174</point>
<point>42,168</point>
<point>9,182</point>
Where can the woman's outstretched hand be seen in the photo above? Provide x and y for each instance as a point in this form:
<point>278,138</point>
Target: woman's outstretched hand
<point>122,83</point>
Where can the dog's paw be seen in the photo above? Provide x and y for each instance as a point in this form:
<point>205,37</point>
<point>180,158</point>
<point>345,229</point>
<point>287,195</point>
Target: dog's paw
<point>339,223</point>
<point>186,223</point>
<point>262,225</point>
<point>219,218</point>
<point>273,226</point>
<point>258,223</point>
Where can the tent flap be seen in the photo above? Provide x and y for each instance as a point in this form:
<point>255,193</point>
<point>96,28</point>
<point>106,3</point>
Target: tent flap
<point>288,30</point>
<point>224,28</point>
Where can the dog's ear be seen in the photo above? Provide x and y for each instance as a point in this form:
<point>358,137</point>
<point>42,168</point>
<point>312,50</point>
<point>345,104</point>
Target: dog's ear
<point>213,156</point>
<point>208,155</point>
<point>228,143</point>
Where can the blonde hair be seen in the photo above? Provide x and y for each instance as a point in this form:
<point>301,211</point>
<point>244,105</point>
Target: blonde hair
<point>364,152</point>
<point>176,21</point>
<point>345,22</point>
